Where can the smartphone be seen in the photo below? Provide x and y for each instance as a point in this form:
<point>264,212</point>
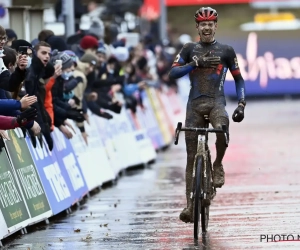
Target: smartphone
<point>58,62</point>
<point>23,50</point>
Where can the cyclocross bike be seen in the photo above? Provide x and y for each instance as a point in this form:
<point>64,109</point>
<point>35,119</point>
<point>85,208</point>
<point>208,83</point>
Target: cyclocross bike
<point>203,190</point>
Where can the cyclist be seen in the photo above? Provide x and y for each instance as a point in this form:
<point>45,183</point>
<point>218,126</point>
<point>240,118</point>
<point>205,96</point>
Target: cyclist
<point>207,62</point>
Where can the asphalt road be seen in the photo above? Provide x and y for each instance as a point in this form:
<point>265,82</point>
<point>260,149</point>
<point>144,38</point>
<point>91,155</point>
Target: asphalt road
<point>260,197</point>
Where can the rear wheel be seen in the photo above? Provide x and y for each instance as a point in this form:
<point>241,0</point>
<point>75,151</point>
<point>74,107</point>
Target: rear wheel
<point>197,195</point>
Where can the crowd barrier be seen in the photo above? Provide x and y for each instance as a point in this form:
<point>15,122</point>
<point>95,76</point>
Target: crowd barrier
<point>36,183</point>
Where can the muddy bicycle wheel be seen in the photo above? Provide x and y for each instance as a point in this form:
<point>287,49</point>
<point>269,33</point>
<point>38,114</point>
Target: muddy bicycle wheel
<point>197,195</point>
<point>207,189</point>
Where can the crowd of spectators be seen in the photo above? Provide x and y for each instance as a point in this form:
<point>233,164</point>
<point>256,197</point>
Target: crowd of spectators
<point>46,82</point>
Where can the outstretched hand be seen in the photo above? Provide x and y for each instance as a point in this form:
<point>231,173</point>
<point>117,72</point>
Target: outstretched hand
<point>26,101</point>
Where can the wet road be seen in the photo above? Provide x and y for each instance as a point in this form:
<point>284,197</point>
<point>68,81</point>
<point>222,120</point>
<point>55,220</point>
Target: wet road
<point>260,196</point>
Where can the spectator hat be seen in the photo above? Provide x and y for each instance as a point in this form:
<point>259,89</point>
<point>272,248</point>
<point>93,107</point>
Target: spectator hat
<point>121,54</point>
<point>88,42</point>
<point>67,61</point>
<point>89,58</point>
<point>72,55</point>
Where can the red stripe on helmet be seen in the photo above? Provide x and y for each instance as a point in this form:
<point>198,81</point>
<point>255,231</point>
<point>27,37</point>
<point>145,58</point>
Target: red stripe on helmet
<point>202,18</point>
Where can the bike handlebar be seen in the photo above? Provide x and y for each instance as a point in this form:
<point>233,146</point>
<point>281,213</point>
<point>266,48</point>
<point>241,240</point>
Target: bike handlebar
<point>206,130</point>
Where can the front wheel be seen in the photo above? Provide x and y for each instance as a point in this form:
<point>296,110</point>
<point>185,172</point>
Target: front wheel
<point>204,218</point>
<point>197,194</point>
<point>207,189</point>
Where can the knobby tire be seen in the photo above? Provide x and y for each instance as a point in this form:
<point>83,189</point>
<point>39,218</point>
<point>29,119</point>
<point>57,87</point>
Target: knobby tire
<point>197,195</point>
<point>207,188</point>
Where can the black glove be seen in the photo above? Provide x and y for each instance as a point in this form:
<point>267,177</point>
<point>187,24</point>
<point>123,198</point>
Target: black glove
<point>76,100</point>
<point>79,79</point>
<point>238,114</point>
<point>26,116</point>
<point>115,108</point>
<point>24,131</point>
<point>207,61</point>
<point>75,115</point>
<point>105,115</point>
<point>33,140</point>
<point>49,140</point>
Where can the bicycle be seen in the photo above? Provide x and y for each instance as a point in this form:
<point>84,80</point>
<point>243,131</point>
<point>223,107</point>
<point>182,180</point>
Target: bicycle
<point>203,189</point>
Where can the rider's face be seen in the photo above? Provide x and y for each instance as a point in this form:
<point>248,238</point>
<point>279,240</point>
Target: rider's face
<point>207,30</point>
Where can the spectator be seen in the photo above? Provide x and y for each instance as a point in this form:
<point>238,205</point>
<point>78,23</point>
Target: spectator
<point>57,43</point>
<point>101,53</point>
<point>11,82</point>
<point>11,36</point>
<point>82,69</point>
<point>44,35</point>
<point>88,44</point>
<point>10,59</point>
<point>20,42</point>
<point>91,22</point>
<point>62,109</point>
<point>39,72</point>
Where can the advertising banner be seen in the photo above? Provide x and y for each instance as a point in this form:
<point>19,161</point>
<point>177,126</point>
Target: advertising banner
<point>146,149</point>
<point>138,141</point>
<point>167,111</point>
<point>134,119</point>
<point>112,129</point>
<point>267,67</point>
<point>53,177</point>
<point>109,143</point>
<point>12,204</point>
<point>176,106</point>
<point>141,117</point>
<point>27,176</point>
<point>150,122</point>
<point>85,157</point>
<point>67,161</point>
<point>197,2</point>
<point>126,139</point>
<point>160,116</point>
<point>3,229</point>
<point>102,169</point>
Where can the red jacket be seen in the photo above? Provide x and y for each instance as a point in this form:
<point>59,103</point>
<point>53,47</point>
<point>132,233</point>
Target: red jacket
<point>8,122</point>
<point>48,100</point>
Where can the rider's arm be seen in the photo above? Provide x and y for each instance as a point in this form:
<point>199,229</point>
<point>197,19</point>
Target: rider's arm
<point>235,72</point>
<point>180,67</point>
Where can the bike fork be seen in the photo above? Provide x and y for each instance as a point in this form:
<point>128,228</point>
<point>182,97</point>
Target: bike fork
<point>200,151</point>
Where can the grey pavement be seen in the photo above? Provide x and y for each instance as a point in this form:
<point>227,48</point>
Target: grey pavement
<point>260,196</point>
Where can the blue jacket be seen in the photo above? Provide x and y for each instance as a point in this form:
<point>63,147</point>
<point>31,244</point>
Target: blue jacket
<point>8,107</point>
<point>11,107</point>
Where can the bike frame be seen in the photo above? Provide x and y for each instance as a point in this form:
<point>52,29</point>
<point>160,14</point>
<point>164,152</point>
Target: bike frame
<point>199,183</point>
<point>202,145</point>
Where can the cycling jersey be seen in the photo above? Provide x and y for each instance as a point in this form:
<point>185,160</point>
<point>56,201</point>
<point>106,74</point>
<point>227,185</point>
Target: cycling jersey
<point>208,81</point>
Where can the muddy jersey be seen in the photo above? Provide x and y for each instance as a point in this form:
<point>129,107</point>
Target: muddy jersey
<point>208,81</point>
